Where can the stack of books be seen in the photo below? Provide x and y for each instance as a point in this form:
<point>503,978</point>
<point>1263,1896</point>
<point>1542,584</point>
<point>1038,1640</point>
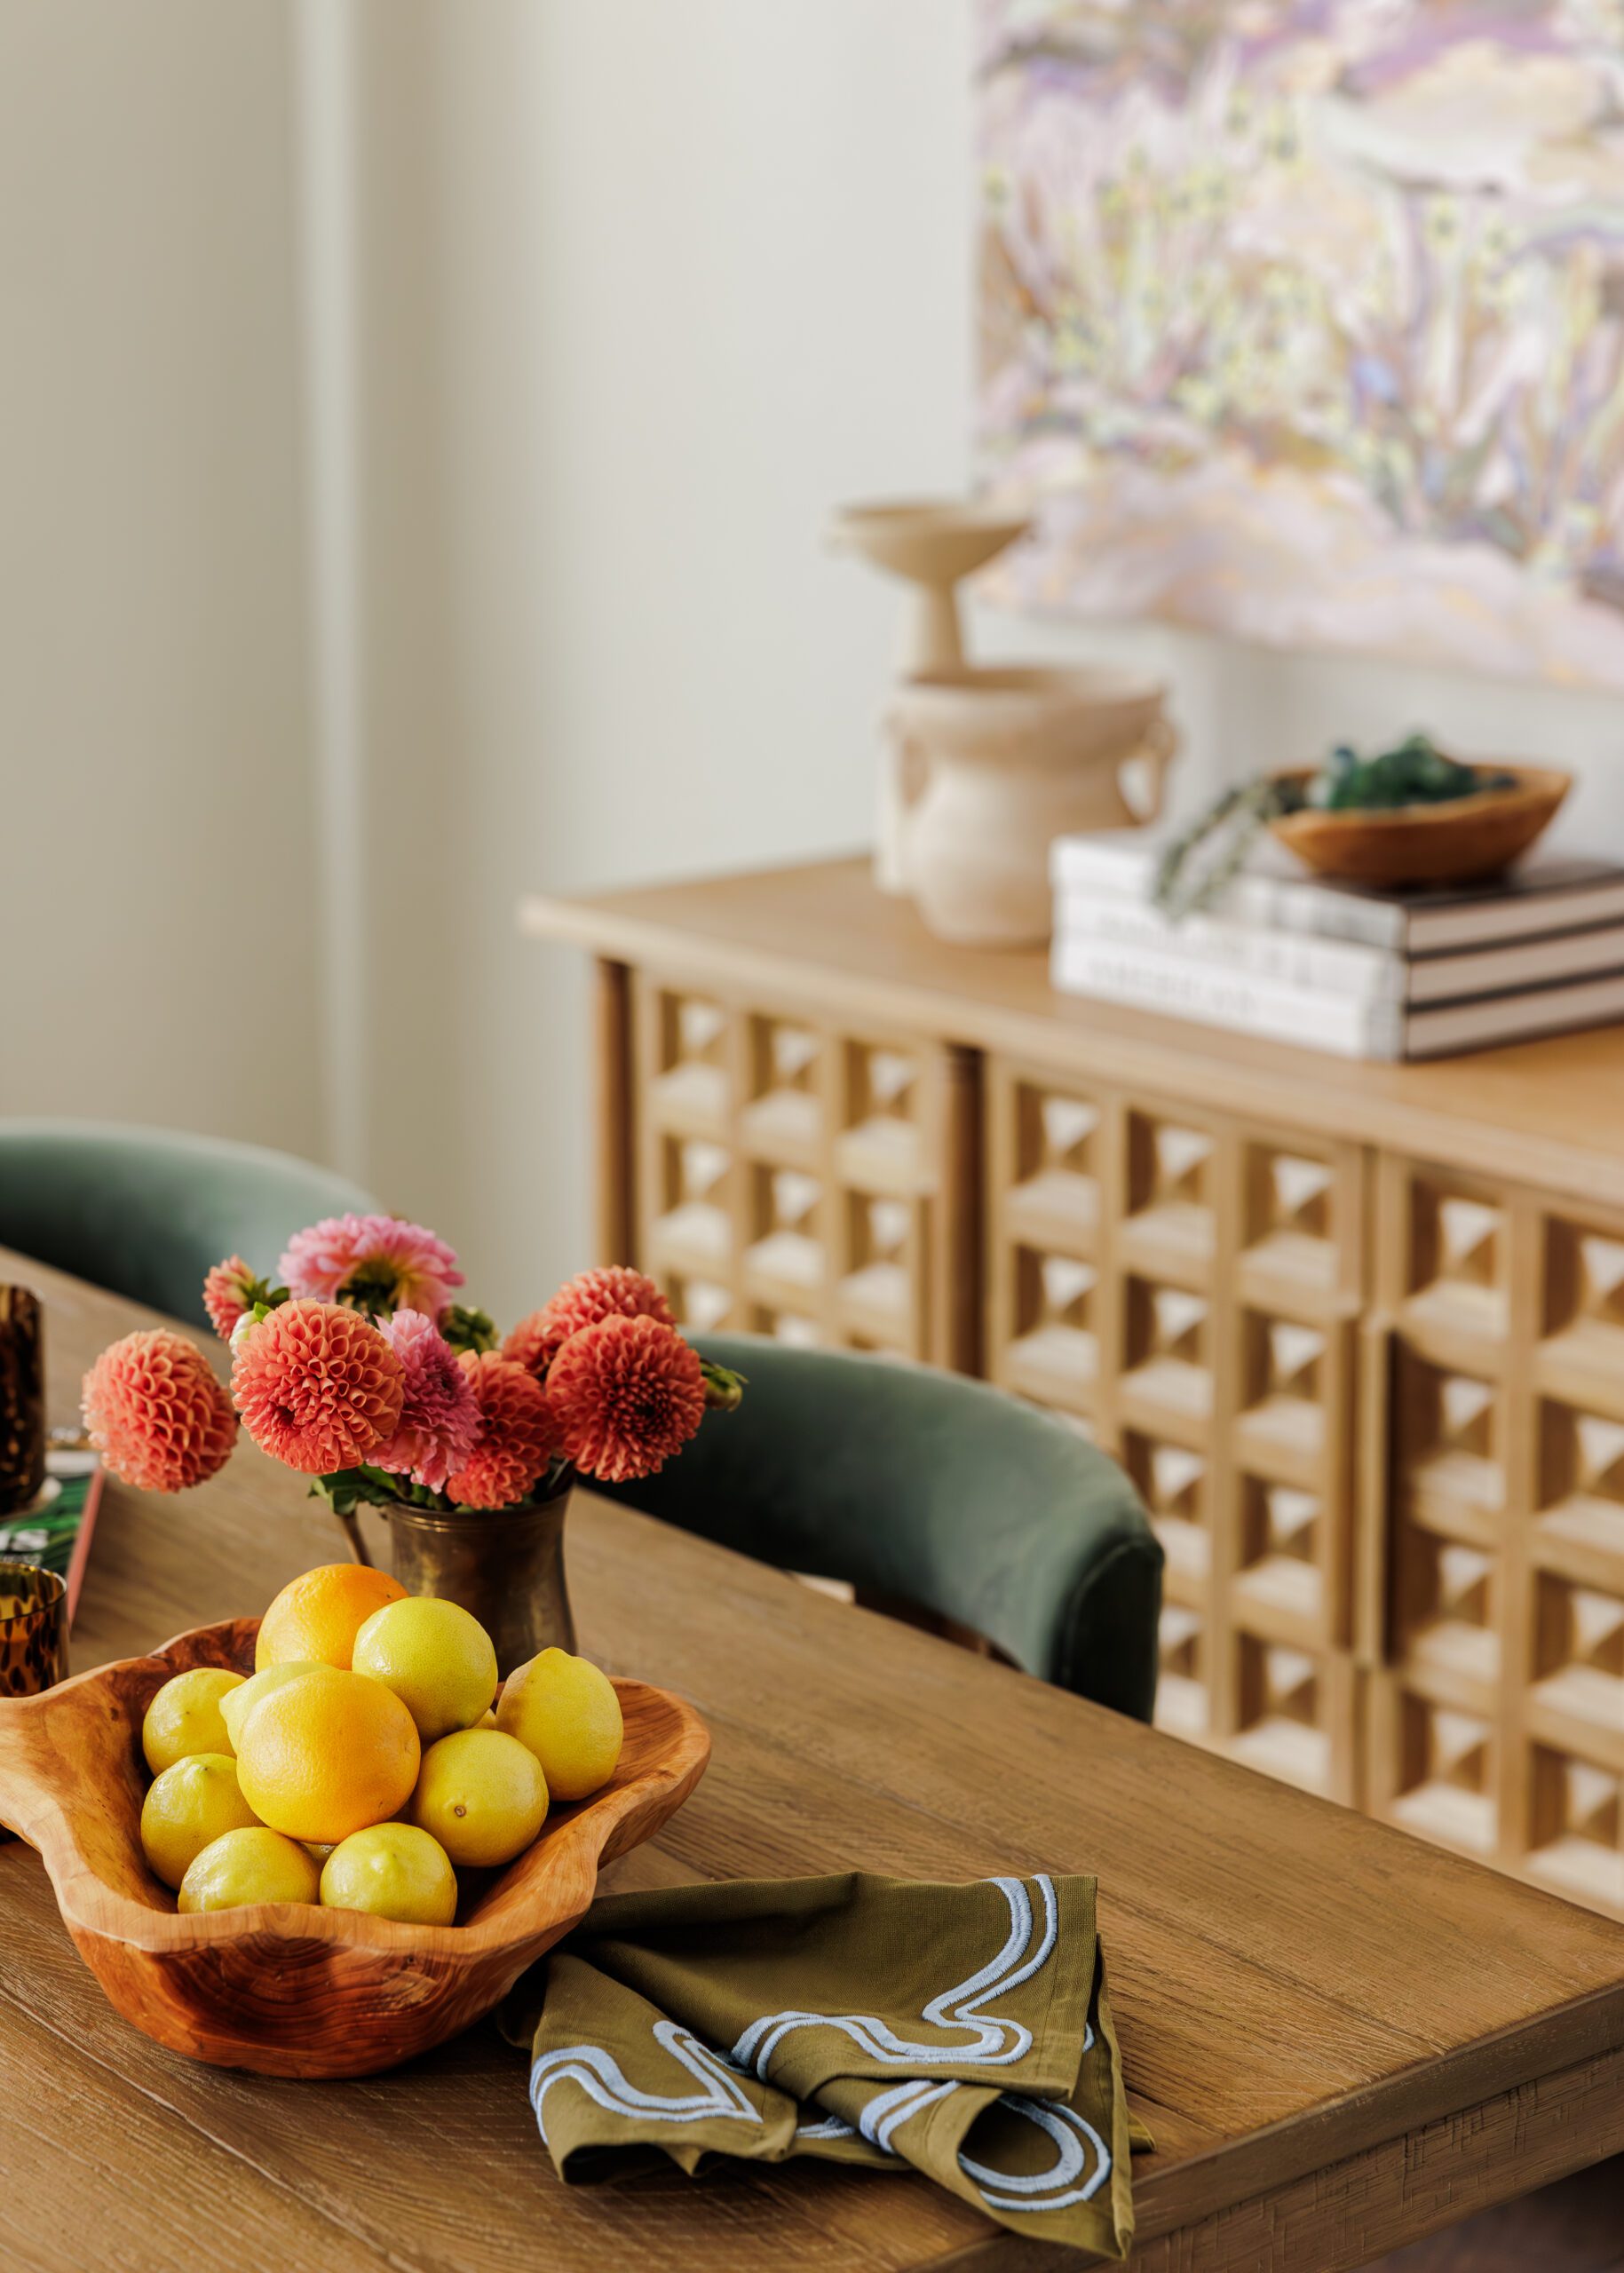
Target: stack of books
<point>1341,967</point>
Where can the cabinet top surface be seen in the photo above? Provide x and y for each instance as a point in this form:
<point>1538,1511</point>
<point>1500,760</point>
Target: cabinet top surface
<point>819,937</point>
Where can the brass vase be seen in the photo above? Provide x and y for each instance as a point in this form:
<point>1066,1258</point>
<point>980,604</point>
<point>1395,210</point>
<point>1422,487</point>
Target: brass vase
<point>504,1565</point>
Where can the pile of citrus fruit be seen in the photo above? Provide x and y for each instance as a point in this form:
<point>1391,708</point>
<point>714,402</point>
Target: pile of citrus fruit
<point>366,1761</point>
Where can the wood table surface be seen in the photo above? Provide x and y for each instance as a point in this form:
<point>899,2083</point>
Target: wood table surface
<point>1342,2039</point>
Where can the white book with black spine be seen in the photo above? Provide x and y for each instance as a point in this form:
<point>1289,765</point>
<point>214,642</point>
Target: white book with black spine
<point>1547,893</point>
<point>1185,986</point>
<point>1301,959</point>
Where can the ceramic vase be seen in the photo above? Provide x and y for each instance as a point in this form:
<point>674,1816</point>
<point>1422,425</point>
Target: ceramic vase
<point>1000,761</point>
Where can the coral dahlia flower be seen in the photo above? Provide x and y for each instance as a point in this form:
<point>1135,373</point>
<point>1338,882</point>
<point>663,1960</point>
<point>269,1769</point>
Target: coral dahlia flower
<point>374,1264</point>
<point>156,1414</point>
<point>440,1421</point>
<point>520,1434</point>
<point>629,1392</point>
<point>228,1293</point>
<point>613,1292</point>
<point>318,1388</point>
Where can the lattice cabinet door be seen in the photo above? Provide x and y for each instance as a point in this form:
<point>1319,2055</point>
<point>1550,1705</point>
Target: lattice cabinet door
<point>1497,1719</point>
<point>799,1180</point>
<point>1183,1285</point>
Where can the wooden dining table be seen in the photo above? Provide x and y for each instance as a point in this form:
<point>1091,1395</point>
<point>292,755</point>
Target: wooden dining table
<point>1339,2037</point>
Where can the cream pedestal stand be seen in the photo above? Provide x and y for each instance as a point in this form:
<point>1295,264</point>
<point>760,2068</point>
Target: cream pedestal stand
<point>932,545</point>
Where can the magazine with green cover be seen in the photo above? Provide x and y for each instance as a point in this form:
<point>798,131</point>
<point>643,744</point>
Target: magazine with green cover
<point>55,1532</point>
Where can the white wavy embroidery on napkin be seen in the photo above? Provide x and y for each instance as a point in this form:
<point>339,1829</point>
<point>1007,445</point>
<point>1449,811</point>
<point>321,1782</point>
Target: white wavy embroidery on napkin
<point>1040,2190</point>
<point>995,2043</point>
<point>888,2111</point>
<point>601,2077</point>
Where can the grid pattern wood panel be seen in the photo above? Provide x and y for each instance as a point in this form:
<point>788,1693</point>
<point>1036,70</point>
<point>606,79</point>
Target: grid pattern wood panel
<point>1183,1285</point>
<point>1373,1406</point>
<point>793,1177</point>
<point>1497,1726</point>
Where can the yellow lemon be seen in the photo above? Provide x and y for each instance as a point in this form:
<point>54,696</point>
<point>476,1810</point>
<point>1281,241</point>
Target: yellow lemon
<point>482,1795</point>
<point>565,1711</point>
<point>249,1865</point>
<point>326,1754</point>
<point>395,1871</point>
<point>237,1704</point>
<point>184,1717</point>
<point>193,1802</point>
<point>319,1614</point>
<point>436,1658</point>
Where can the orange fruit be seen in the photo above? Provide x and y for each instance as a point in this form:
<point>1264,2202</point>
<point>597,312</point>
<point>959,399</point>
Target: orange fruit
<point>319,1614</point>
<point>325,1754</point>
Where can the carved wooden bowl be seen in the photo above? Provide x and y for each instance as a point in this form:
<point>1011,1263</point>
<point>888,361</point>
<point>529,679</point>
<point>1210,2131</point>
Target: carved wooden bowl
<point>285,1988</point>
<point>1451,842</point>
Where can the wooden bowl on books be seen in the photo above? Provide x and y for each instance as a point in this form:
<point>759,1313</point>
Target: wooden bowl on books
<point>1447,843</point>
<point>288,1989</point>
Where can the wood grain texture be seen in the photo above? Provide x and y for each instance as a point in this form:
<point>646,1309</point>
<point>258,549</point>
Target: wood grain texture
<point>1306,2001</point>
<point>821,937</point>
<point>290,1989</point>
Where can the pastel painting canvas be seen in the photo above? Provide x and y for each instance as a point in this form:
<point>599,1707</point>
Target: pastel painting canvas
<point>1304,319</point>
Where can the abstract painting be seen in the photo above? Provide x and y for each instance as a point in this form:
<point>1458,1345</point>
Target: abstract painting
<point>1304,319</point>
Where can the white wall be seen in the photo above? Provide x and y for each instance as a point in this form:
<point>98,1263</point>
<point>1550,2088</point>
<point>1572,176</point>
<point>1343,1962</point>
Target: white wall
<point>644,286</point>
<point>680,277</point>
<point>153,757</point>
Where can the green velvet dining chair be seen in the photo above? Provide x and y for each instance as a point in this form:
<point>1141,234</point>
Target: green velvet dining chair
<point>144,1212</point>
<point>927,1489</point>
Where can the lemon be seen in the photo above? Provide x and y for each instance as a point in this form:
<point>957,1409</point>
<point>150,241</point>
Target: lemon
<point>482,1795</point>
<point>565,1711</point>
<point>436,1658</point>
<point>193,1802</point>
<point>395,1871</point>
<point>184,1717</point>
<point>249,1865</point>
<point>325,1754</point>
<point>237,1704</point>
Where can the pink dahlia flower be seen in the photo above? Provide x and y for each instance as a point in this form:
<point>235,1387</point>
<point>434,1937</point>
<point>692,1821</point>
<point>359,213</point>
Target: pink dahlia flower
<point>372,1264</point>
<point>156,1414</point>
<point>628,1393</point>
<point>519,1439</point>
<point>440,1413</point>
<point>613,1292</point>
<point>228,1292</point>
<point>318,1388</point>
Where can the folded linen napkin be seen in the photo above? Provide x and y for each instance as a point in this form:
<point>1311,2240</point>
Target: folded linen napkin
<point>962,2029</point>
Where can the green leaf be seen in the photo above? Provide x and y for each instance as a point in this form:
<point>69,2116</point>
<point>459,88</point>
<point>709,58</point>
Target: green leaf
<point>465,1328</point>
<point>724,1387</point>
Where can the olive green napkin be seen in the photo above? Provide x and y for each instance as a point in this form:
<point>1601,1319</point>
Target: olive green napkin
<point>962,2029</point>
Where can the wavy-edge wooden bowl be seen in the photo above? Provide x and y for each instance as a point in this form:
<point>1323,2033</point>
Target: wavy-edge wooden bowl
<point>287,1989</point>
<point>1447,843</point>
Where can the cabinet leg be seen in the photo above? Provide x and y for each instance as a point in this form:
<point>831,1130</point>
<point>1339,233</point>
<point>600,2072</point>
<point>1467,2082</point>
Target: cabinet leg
<point>615,1229</point>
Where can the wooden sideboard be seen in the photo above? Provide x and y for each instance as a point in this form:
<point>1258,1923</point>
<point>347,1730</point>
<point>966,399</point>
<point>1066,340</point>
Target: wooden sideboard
<point>1357,1331</point>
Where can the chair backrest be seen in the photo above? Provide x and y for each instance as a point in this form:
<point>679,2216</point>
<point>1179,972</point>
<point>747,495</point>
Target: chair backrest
<point>145,1212</point>
<point>935,1491</point>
